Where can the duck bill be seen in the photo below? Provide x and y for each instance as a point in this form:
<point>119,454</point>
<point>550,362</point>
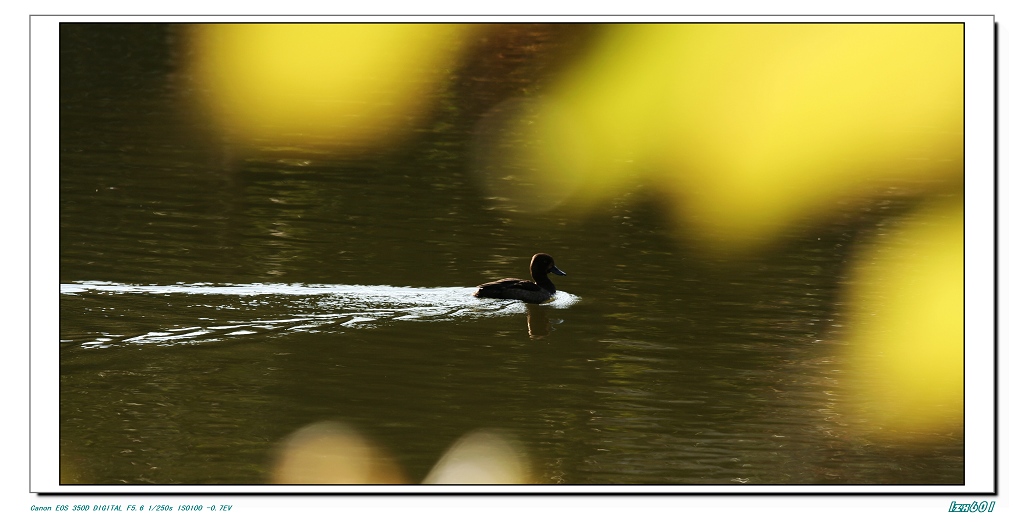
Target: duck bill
<point>557,271</point>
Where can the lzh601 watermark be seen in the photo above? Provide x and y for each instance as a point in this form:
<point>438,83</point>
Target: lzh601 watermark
<point>974,506</point>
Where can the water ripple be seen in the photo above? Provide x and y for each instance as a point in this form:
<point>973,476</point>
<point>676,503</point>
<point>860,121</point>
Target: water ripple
<point>236,310</point>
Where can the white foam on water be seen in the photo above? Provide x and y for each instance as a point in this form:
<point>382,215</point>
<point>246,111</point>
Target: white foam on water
<point>299,308</point>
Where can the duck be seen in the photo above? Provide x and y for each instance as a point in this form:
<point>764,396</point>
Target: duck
<point>539,290</point>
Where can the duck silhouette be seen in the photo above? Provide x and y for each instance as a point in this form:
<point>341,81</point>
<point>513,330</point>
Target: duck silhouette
<point>539,290</point>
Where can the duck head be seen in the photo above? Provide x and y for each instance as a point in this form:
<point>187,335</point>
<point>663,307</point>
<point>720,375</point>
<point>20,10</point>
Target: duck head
<point>541,264</point>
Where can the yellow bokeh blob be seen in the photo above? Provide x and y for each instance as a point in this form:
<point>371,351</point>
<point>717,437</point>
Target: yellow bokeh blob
<point>482,457</point>
<point>356,84</point>
<point>745,128</point>
<point>906,330</point>
<point>332,453</point>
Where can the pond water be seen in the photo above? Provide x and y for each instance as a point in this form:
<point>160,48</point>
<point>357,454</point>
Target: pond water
<point>215,299</point>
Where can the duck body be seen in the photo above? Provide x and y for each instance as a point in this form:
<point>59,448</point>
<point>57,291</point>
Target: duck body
<point>539,290</point>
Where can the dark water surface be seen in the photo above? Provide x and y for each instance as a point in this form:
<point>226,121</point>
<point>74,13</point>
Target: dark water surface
<point>215,299</point>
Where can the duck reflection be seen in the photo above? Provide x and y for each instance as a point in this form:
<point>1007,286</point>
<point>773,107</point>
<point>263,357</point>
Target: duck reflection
<point>537,323</point>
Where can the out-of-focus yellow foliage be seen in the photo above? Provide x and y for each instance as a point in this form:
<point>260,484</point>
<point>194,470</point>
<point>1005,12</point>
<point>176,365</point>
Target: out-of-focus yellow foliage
<point>906,340</point>
<point>482,457</point>
<point>332,453</point>
<point>743,127</point>
<point>358,84</point>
